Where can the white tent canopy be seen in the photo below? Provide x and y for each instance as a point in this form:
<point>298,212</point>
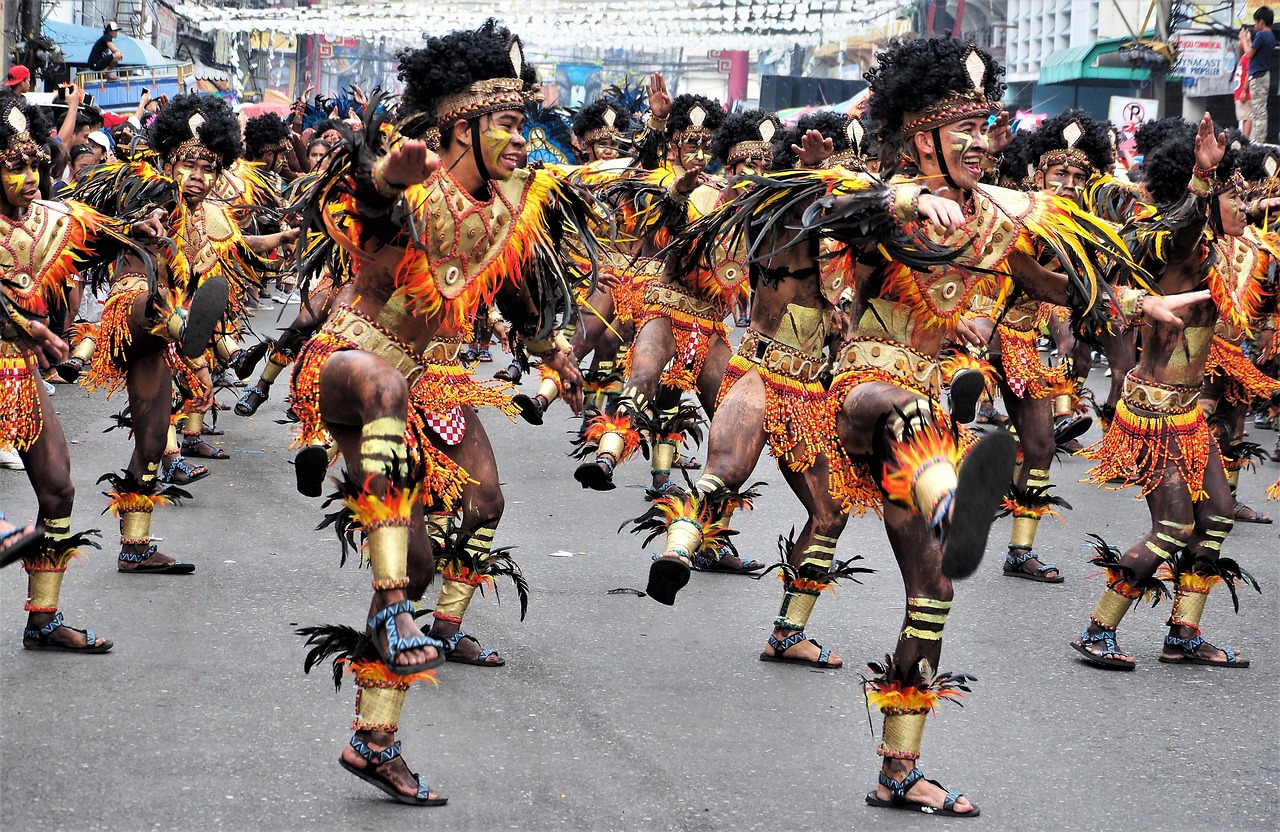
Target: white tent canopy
<point>636,24</point>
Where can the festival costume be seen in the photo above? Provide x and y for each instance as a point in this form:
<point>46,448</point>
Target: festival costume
<point>458,252</point>
<point>42,248</point>
<point>1159,426</point>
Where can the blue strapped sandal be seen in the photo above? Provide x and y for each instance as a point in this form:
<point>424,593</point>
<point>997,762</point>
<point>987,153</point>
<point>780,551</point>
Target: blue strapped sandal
<point>1013,569</point>
<point>1187,648</point>
<point>451,644</point>
<point>782,646</point>
<point>374,760</point>
<point>1107,638</point>
<point>385,620</point>
<point>41,641</point>
<point>898,797</point>
<point>141,567</point>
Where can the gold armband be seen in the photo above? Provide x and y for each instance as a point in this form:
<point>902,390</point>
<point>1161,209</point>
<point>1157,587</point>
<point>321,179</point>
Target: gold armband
<point>388,189</point>
<point>1130,302</point>
<point>657,125</point>
<point>553,343</point>
<point>904,202</point>
<point>1201,183</point>
<point>494,315</point>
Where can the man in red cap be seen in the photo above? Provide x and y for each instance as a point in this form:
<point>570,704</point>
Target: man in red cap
<point>19,80</point>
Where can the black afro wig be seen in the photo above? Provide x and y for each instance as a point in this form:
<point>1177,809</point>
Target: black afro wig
<point>912,75</point>
<point>1252,161</point>
<point>1094,141</point>
<point>592,117</point>
<point>1155,133</point>
<point>261,132</point>
<point>449,64</point>
<point>1168,155</point>
<point>742,127</point>
<point>1014,171</point>
<point>220,131</point>
<point>680,107</point>
<point>830,124</point>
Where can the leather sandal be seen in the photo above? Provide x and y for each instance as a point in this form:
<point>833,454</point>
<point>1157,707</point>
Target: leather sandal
<point>375,760</point>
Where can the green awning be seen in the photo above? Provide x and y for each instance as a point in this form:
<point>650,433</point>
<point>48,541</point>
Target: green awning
<point>1081,64</point>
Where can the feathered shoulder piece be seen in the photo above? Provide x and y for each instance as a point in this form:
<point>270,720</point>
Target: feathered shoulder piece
<point>125,189</point>
<point>1111,199</point>
<point>1241,276</point>
<point>464,250</point>
<point>53,241</point>
<point>1156,234</point>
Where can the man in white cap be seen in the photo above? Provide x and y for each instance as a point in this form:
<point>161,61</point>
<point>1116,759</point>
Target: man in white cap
<point>104,55</point>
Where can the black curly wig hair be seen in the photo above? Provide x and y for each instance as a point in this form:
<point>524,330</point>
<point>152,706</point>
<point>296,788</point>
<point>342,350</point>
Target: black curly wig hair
<point>1014,171</point>
<point>220,131</point>
<point>38,127</point>
<point>744,126</point>
<point>679,120</point>
<point>913,75</point>
<point>1169,155</point>
<point>592,117</point>
<point>452,63</point>
<point>831,125</point>
<point>262,132</point>
<point>1094,141</point>
<point>1252,161</point>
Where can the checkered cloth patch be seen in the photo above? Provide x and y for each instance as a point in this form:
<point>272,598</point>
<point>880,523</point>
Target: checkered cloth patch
<point>450,426</point>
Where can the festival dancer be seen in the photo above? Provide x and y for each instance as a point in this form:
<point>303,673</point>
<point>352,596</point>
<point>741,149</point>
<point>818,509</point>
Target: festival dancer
<point>361,378</point>
<point>1066,152</point>
<point>45,244</point>
<point>681,323</point>
<point>1194,241</point>
<point>933,99</point>
<point>155,331</point>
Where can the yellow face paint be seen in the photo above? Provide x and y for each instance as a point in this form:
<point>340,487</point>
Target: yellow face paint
<point>494,143</point>
<point>17,181</point>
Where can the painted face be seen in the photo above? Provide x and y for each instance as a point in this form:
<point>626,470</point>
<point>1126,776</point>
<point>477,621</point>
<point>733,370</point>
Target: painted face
<point>963,145</point>
<point>21,183</point>
<point>694,152</point>
<point>755,163</point>
<point>1066,181</point>
<point>502,144</point>
<point>1230,207</point>
<point>602,150</point>
<point>273,159</point>
<point>195,176</point>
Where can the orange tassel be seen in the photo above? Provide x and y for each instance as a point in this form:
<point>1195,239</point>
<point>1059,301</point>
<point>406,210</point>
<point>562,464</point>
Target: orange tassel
<point>1138,450</point>
<point>617,424</point>
<point>375,674</point>
<point>911,455</point>
<point>21,418</point>
<point>798,418</point>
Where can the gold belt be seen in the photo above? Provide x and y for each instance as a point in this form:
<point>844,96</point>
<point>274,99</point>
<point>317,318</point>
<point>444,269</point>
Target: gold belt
<point>350,325</point>
<point>442,352</point>
<point>1020,319</point>
<point>1168,399</point>
<point>916,368</point>
<point>780,358</point>
<point>665,294</point>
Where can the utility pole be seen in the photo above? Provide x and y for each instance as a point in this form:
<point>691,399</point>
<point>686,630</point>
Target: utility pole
<point>1160,77</point>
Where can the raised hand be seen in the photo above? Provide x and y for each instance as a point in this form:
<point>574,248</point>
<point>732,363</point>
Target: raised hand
<point>409,164</point>
<point>1210,147</point>
<point>813,149</point>
<point>659,98</point>
<point>1000,133</point>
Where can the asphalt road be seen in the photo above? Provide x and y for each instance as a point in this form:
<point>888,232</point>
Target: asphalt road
<point>614,712</point>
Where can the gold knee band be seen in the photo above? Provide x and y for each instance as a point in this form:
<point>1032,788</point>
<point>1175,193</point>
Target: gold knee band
<point>1023,535</point>
<point>1063,405</point>
<point>1158,552</point>
<point>272,371</point>
<point>193,424</point>
<point>382,445</point>
<point>56,528</point>
<point>708,483</point>
<point>455,597</point>
<point>1111,608</point>
<point>664,456</point>
<point>135,527</point>
<point>389,555</point>
<point>378,709</point>
<point>903,733</point>
<point>44,587</point>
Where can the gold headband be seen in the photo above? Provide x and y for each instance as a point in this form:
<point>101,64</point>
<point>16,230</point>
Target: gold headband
<point>481,98</point>
<point>953,108</point>
<point>597,133</point>
<point>1066,156</point>
<point>850,159</point>
<point>742,151</point>
<point>193,146</point>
